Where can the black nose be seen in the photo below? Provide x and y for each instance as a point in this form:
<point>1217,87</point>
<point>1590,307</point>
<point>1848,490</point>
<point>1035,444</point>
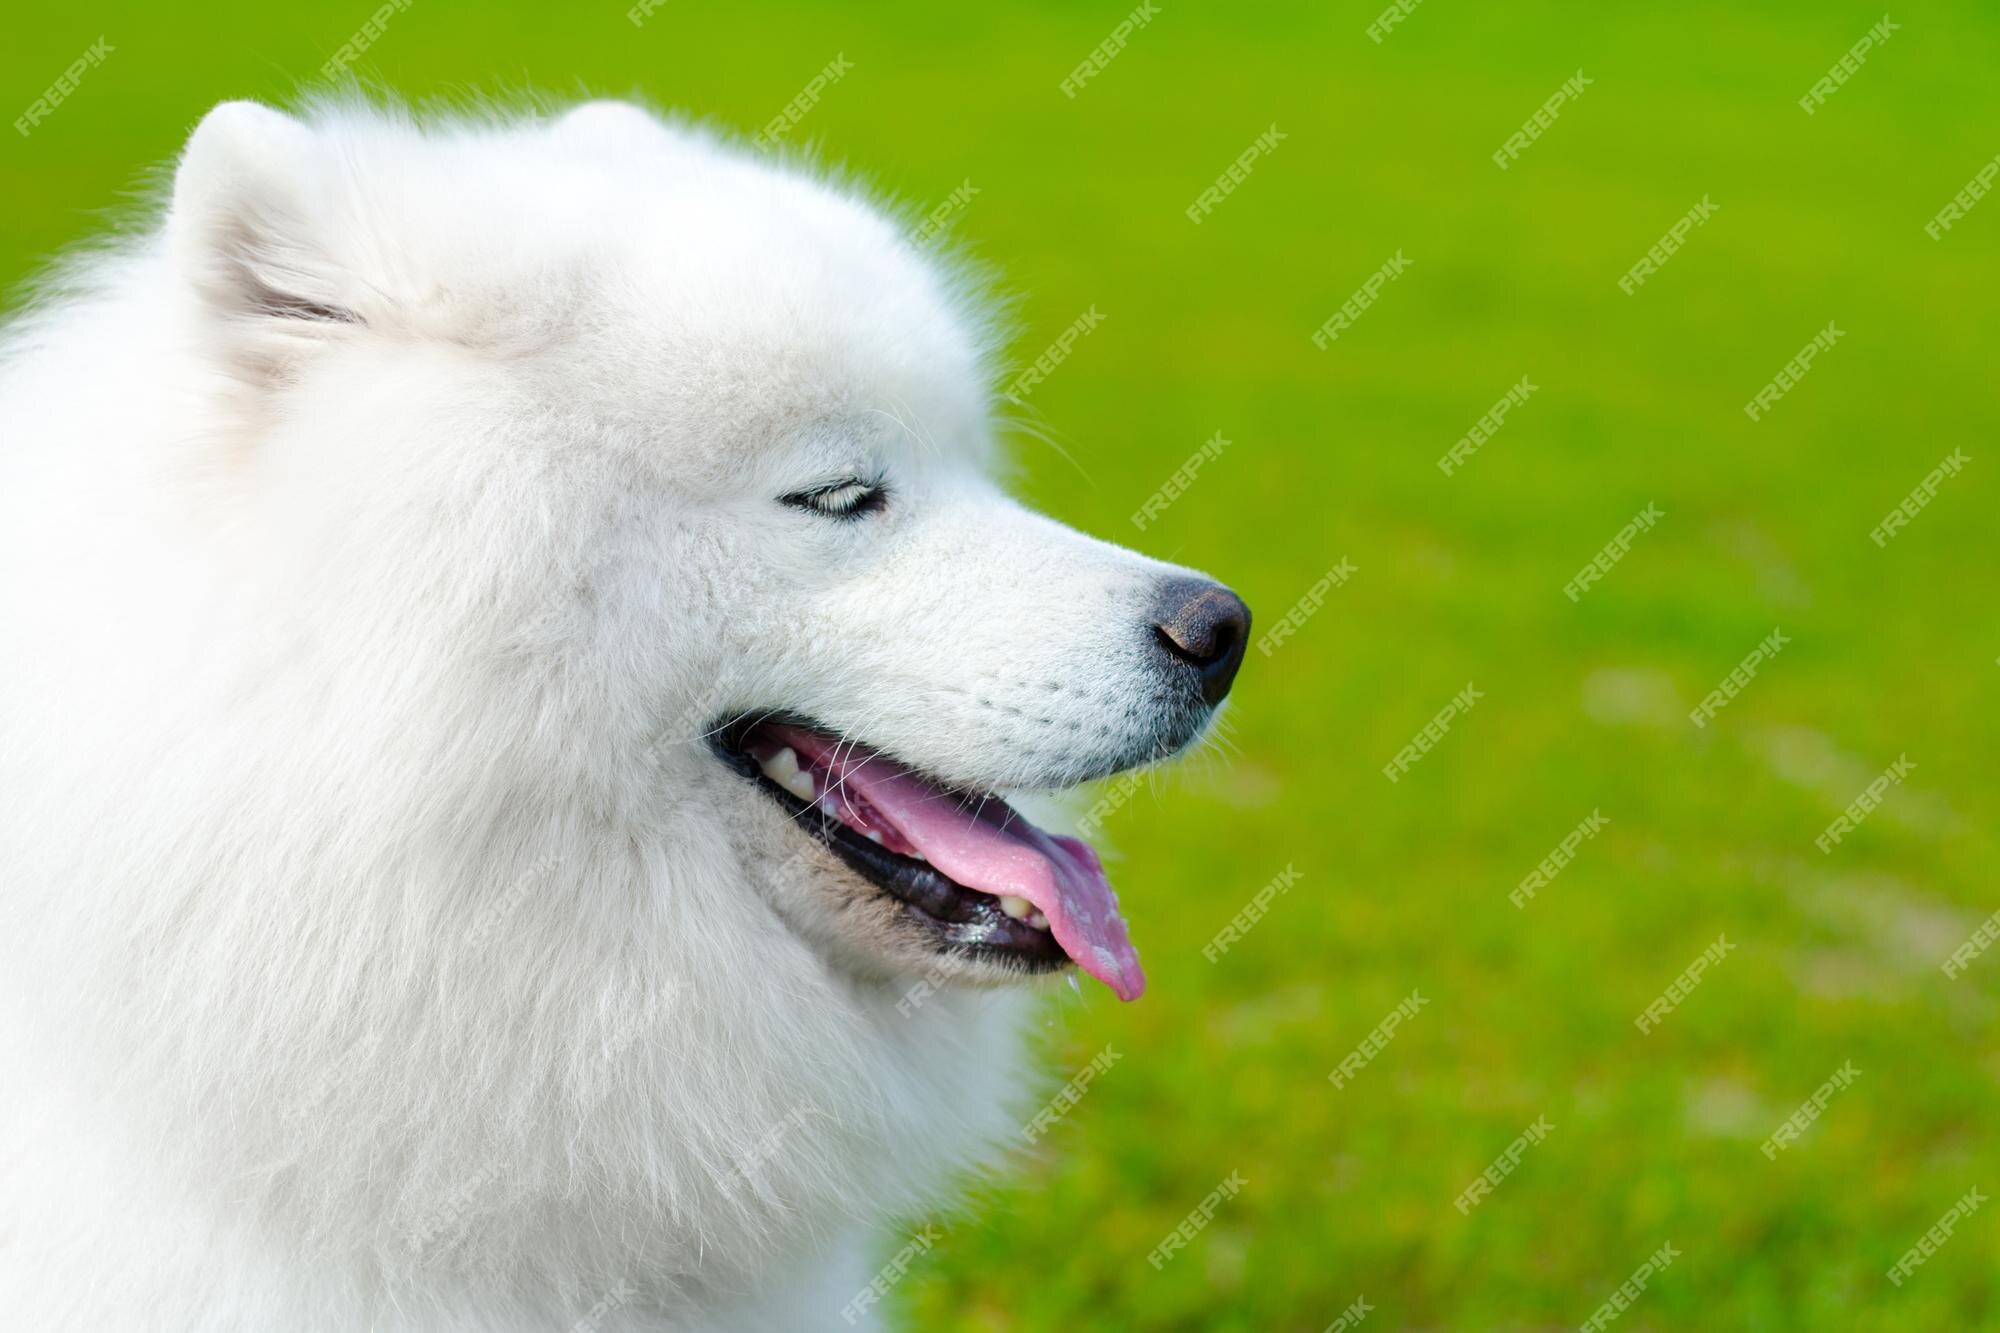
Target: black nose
<point>1206,626</point>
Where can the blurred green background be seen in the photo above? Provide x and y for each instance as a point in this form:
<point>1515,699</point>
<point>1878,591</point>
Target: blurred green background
<point>1894,651</point>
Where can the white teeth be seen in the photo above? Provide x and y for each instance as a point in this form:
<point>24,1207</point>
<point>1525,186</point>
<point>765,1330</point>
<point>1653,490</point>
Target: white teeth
<point>872,836</point>
<point>780,766</point>
<point>1018,908</point>
<point>1038,921</point>
<point>783,769</point>
<point>916,855</point>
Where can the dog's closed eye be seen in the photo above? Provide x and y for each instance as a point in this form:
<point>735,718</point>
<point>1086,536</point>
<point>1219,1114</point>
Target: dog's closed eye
<point>846,498</point>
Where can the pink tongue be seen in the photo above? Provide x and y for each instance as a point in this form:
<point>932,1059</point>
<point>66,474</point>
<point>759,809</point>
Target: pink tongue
<point>987,847</point>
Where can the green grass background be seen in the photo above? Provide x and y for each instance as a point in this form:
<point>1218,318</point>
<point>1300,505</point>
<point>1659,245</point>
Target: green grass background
<point>1820,218</point>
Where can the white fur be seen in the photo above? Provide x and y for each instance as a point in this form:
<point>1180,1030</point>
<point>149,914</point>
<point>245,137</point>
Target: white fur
<point>364,866</point>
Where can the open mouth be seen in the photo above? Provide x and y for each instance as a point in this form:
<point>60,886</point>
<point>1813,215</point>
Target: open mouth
<point>982,877</point>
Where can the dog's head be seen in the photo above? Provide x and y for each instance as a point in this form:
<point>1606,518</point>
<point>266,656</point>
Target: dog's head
<point>709,446</point>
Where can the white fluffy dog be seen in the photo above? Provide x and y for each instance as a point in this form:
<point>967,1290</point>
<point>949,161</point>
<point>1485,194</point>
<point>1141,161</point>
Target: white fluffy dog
<point>509,640</point>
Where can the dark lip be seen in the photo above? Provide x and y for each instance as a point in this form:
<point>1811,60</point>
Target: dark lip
<point>965,921</point>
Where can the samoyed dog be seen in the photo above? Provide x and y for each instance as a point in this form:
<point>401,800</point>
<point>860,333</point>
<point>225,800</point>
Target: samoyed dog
<point>512,652</point>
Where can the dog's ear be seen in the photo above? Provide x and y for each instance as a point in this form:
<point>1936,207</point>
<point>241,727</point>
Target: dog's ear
<point>245,231</point>
<point>628,136</point>
<point>612,125</point>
